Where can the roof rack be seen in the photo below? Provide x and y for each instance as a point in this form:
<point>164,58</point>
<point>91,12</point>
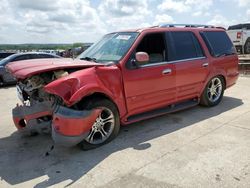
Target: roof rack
<point>187,25</point>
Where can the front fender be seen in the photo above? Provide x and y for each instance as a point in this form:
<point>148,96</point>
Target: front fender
<point>77,85</point>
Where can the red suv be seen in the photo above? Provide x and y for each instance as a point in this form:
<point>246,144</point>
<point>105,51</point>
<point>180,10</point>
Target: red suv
<point>126,77</point>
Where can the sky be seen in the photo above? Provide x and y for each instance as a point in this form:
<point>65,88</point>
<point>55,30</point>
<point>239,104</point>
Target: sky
<point>70,21</point>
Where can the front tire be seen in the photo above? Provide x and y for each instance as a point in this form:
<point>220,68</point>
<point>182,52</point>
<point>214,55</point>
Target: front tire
<point>105,128</point>
<point>213,92</point>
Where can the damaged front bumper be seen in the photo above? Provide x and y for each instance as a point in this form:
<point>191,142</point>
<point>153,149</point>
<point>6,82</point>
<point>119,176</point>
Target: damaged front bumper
<point>35,118</point>
<point>68,126</point>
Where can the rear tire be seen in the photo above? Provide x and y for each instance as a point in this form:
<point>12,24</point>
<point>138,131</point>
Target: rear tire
<point>213,92</point>
<point>106,126</point>
<point>247,47</point>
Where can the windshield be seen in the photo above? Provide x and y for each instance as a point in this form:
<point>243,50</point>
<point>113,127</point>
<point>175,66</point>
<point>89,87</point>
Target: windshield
<point>112,47</point>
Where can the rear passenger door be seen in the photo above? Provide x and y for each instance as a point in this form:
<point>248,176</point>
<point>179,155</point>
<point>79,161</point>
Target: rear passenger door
<point>191,65</point>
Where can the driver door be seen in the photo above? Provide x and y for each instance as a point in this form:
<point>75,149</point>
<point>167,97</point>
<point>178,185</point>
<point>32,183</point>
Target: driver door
<point>151,85</point>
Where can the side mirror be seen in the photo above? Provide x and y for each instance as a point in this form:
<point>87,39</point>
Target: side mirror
<point>142,57</point>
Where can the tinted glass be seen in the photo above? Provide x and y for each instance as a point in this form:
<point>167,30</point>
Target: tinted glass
<point>218,42</point>
<point>183,45</point>
<point>21,57</point>
<point>112,47</point>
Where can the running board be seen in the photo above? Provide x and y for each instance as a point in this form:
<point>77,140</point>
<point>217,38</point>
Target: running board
<point>162,111</point>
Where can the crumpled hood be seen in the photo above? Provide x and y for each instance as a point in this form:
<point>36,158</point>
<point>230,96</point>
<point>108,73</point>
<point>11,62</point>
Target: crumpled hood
<point>27,68</point>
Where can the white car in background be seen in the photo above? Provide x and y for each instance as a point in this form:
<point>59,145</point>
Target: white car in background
<point>240,36</point>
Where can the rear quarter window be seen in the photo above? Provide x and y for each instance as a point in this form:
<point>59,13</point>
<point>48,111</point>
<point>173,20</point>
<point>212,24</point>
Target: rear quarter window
<point>183,45</point>
<point>218,43</point>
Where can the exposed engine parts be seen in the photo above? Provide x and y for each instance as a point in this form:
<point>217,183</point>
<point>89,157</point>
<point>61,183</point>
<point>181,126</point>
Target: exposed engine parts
<point>31,89</point>
<point>36,112</point>
<point>60,73</point>
<point>35,82</point>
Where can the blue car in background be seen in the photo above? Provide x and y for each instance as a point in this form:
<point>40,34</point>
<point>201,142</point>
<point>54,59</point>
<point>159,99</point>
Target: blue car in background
<point>6,77</point>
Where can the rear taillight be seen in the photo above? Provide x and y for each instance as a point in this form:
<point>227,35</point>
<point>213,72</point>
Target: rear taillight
<point>239,35</point>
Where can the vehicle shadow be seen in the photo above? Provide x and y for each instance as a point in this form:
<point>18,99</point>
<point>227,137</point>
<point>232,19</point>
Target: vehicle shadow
<point>25,158</point>
<point>8,86</point>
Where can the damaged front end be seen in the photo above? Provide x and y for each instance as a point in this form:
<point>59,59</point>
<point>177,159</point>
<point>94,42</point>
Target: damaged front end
<point>42,112</point>
<point>69,126</point>
<point>33,119</point>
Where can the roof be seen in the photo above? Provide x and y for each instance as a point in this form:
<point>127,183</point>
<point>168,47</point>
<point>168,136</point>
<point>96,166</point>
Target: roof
<point>186,27</point>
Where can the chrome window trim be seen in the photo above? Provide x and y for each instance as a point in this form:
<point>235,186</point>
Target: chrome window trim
<point>172,62</point>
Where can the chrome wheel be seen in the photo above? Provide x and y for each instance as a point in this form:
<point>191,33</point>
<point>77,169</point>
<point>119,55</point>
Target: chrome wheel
<point>102,128</point>
<point>214,90</point>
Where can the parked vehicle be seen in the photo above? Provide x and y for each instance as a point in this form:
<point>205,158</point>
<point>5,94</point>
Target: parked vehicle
<point>6,77</point>
<point>5,54</point>
<point>240,35</point>
<point>124,78</point>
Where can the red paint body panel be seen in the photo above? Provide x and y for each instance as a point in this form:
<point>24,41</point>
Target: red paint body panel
<point>27,68</point>
<point>147,88</point>
<point>76,86</point>
<point>70,126</point>
<point>27,118</point>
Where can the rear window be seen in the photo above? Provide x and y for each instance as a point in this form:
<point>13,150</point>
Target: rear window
<point>218,43</point>
<point>183,45</point>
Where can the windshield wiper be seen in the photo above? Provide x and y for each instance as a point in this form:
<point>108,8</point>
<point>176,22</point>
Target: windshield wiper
<point>88,59</point>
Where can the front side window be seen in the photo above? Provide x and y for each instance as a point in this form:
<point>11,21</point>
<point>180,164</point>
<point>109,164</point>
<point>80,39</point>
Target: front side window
<point>112,47</point>
<point>154,46</point>
<point>183,45</point>
<point>218,43</point>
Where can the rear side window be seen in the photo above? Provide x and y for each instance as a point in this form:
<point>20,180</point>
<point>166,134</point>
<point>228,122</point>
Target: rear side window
<point>218,43</point>
<point>183,45</point>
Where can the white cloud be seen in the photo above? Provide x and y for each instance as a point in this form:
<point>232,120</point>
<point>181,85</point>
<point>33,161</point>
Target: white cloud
<point>198,13</point>
<point>243,3</point>
<point>163,18</point>
<point>199,4</point>
<point>185,5</point>
<point>25,21</point>
<point>46,18</point>
<point>219,20</point>
<point>124,14</point>
<point>248,14</point>
<point>178,6</point>
<point>122,8</point>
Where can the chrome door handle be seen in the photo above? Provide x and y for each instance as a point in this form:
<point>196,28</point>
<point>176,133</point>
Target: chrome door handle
<point>166,71</point>
<point>205,64</point>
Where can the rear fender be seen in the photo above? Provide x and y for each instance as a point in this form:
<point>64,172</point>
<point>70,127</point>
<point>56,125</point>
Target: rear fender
<point>216,72</point>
